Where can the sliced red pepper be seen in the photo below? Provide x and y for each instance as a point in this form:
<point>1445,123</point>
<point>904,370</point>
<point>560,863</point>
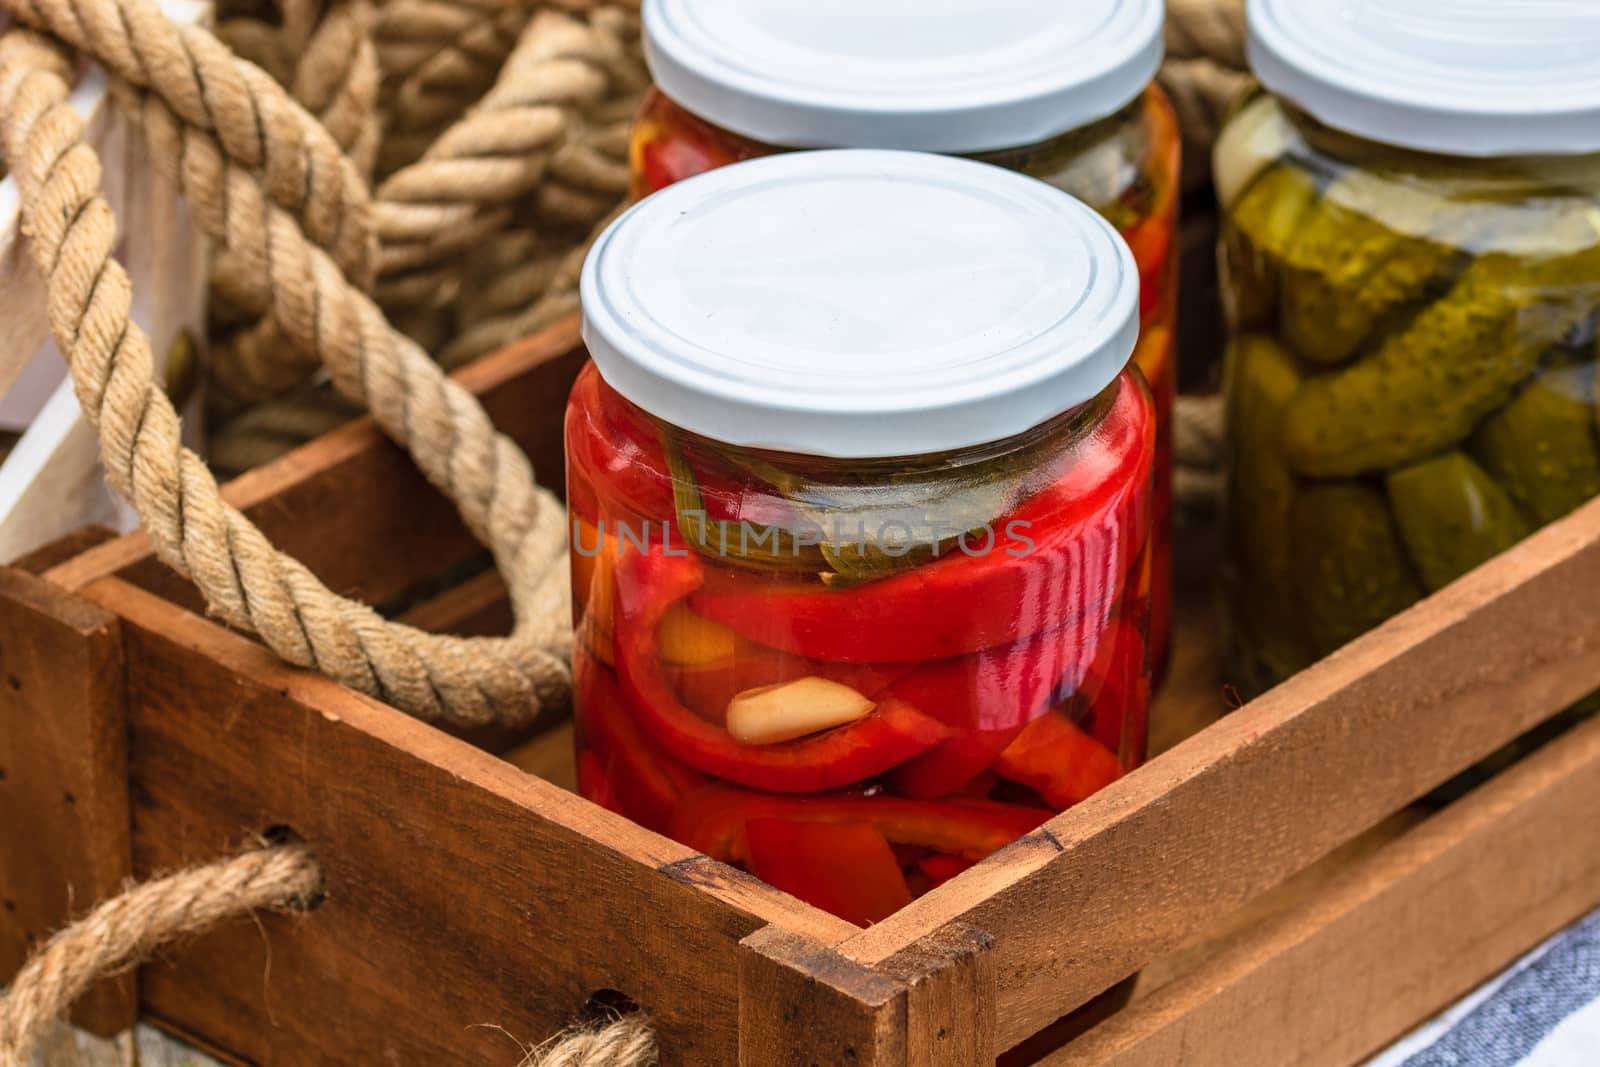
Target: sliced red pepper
<point>1119,693</point>
<point>1006,687</point>
<point>1151,242</point>
<point>1060,762</point>
<point>644,781</point>
<point>953,765</point>
<point>1086,529</point>
<point>594,785</point>
<point>712,819</point>
<point>647,586</point>
<point>987,698</point>
<point>941,868</point>
<point>617,453</point>
<point>845,868</point>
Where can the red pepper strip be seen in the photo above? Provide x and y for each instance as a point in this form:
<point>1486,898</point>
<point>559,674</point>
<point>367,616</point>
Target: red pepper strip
<point>952,765</point>
<point>988,697</point>
<point>1007,687</point>
<point>712,819</point>
<point>645,783</point>
<point>844,868</point>
<point>1086,529</point>
<point>1120,696</point>
<point>647,587</point>
<point>594,785</point>
<point>677,154</point>
<point>1151,242</point>
<point>1058,761</point>
<point>940,868</point>
<point>612,448</point>
<point>1151,238</point>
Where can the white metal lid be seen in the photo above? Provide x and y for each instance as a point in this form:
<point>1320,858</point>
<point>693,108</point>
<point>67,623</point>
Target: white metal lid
<point>1462,77</point>
<point>859,303</point>
<point>927,75</point>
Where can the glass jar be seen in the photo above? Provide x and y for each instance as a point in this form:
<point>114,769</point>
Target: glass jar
<point>1060,92</point>
<point>1411,258</point>
<point>860,519</point>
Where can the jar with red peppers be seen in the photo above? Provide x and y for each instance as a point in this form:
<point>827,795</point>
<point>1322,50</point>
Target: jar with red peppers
<point>1062,92</point>
<point>860,490</point>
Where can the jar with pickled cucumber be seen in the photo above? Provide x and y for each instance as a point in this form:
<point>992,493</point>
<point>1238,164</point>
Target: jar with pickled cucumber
<point>1411,261</point>
<point>1062,92</point>
<point>860,518</point>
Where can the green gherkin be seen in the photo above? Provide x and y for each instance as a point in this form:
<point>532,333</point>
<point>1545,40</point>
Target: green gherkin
<point>1261,231</point>
<point>1425,388</point>
<point>1361,256</point>
<point>1351,571</point>
<point>1453,516</point>
<point>1261,379</point>
<point>1541,446</point>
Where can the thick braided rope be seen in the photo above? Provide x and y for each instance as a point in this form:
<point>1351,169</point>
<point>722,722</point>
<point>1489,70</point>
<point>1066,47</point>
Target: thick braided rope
<point>437,58</point>
<point>1204,73</point>
<point>244,580</point>
<point>625,1041</point>
<point>302,167</point>
<point>523,274</point>
<point>323,54</point>
<point>322,51</point>
<point>1210,28</point>
<point>128,928</point>
<point>466,184</point>
<point>304,170</point>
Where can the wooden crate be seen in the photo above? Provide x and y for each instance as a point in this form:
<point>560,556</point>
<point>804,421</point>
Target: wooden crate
<point>1265,875</point>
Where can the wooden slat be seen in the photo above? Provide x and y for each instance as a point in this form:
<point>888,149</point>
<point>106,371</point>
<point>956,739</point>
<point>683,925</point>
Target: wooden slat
<point>801,1004</point>
<point>1392,939</point>
<point>352,507</point>
<point>1123,878</point>
<point>950,998</point>
<point>460,891</point>
<point>64,823</point>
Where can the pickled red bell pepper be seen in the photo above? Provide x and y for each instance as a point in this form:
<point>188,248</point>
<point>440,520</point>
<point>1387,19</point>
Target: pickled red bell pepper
<point>643,781</point>
<point>987,698</point>
<point>1057,760</point>
<point>1006,687</point>
<point>940,869</point>
<point>951,765</point>
<point>1097,510</point>
<point>1118,692</point>
<point>713,818</point>
<point>595,784</point>
<point>648,585</point>
<point>845,868</point>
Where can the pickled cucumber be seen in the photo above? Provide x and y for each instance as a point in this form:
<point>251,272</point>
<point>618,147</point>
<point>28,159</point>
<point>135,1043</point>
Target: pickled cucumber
<point>1542,445</point>
<point>1261,233</point>
<point>1453,516</point>
<point>1426,387</point>
<point>1351,571</point>
<point>1261,378</point>
<point>1348,270</point>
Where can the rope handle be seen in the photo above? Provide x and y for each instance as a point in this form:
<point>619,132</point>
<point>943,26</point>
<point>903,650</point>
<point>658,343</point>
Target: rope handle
<point>245,581</point>
<point>123,931</point>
